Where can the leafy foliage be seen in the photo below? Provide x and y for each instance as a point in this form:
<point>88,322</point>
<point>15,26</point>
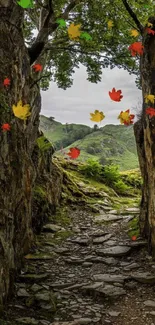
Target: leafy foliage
<point>43,143</point>
<point>106,46</point>
<point>91,169</point>
<point>109,175</point>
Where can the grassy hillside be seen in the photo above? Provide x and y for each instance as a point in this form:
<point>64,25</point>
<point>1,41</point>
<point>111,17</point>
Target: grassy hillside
<point>110,144</point>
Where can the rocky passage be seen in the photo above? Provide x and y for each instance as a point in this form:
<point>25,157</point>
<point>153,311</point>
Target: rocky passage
<point>95,275</point>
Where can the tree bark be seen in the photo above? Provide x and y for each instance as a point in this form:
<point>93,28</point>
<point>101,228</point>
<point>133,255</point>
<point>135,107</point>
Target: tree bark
<point>17,171</point>
<point>145,138</point>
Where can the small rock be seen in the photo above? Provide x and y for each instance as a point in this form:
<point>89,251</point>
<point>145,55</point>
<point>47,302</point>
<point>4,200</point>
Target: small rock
<point>132,210</point>
<point>149,303</point>
<point>101,239</point>
<point>51,228</point>
<point>109,278</point>
<point>83,321</point>
<point>22,293</point>
<point>114,251</point>
<point>27,320</point>
<point>114,313</point>
<point>80,241</point>
<point>144,277</point>
<point>87,264</point>
<point>108,217</point>
<point>35,287</point>
<point>33,277</point>
<point>43,296</point>
<point>111,291</point>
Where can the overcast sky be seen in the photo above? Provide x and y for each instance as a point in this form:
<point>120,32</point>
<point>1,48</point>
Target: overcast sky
<point>74,104</point>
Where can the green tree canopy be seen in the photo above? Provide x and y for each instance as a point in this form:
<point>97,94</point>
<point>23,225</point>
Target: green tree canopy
<point>108,47</point>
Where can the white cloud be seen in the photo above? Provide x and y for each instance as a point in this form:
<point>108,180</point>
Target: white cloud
<point>74,104</point>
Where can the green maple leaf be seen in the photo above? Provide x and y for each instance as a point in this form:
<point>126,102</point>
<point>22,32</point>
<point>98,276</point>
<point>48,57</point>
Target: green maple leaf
<point>86,36</point>
<point>26,3</point>
<point>61,22</point>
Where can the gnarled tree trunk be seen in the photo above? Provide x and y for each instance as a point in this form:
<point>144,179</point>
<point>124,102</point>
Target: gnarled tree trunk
<point>145,138</point>
<point>17,173</point>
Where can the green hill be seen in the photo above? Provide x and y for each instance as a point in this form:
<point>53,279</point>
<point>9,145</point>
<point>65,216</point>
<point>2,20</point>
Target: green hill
<point>109,144</point>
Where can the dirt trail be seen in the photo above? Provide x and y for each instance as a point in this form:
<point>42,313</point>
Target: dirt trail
<point>97,275</point>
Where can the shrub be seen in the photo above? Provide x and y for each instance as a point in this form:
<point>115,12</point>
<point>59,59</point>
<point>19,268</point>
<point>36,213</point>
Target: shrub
<point>110,174</point>
<point>120,187</point>
<point>92,168</point>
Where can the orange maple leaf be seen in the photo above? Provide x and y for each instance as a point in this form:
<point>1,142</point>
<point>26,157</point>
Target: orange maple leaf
<point>136,48</point>
<point>115,95</point>
<point>6,82</point>
<point>150,111</point>
<point>37,67</point>
<point>5,127</point>
<point>74,153</point>
<point>150,31</point>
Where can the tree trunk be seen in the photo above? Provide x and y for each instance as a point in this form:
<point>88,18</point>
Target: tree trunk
<point>17,172</point>
<point>145,138</point>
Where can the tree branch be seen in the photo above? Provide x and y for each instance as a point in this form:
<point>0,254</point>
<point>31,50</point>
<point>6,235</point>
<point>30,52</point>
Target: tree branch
<point>36,81</point>
<point>47,29</point>
<point>133,16</point>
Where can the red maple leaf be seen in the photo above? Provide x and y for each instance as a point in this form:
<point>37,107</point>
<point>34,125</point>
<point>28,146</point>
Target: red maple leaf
<point>115,95</point>
<point>6,82</point>
<point>150,31</point>
<point>150,111</point>
<point>74,153</point>
<point>136,48</point>
<point>37,67</point>
<point>5,127</point>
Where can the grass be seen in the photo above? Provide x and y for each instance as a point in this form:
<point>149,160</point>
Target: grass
<point>115,142</point>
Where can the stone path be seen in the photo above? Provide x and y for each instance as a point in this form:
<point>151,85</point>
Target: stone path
<point>97,275</point>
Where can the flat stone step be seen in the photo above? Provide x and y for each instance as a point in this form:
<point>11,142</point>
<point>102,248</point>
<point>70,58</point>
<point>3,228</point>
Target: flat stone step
<point>114,251</point>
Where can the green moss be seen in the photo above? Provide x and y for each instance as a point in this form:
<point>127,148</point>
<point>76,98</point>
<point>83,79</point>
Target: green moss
<point>39,191</point>
<point>134,229</point>
<point>61,217</point>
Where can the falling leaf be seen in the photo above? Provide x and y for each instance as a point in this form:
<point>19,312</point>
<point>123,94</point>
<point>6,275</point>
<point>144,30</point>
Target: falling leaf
<point>5,127</point>
<point>150,31</point>
<point>97,116</point>
<point>136,48</point>
<point>134,32</point>
<point>37,67</point>
<point>61,22</point>
<point>26,3</point>
<point>86,36</point>
<point>6,82</point>
<point>150,111</point>
<point>126,118</point>
<point>115,95</point>
<point>149,98</point>
<point>110,24</point>
<point>149,24</point>
<point>134,238</point>
<point>74,153</point>
<point>20,111</point>
<point>73,31</point>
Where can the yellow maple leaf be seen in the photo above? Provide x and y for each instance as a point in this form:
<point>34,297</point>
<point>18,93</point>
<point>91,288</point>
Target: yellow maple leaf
<point>73,31</point>
<point>149,24</point>
<point>134,32</point>
<point>149,98</point>
<point>97,116</point>
<point>124,116</point>
<point>20,111</point>
<point>110,24</point>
